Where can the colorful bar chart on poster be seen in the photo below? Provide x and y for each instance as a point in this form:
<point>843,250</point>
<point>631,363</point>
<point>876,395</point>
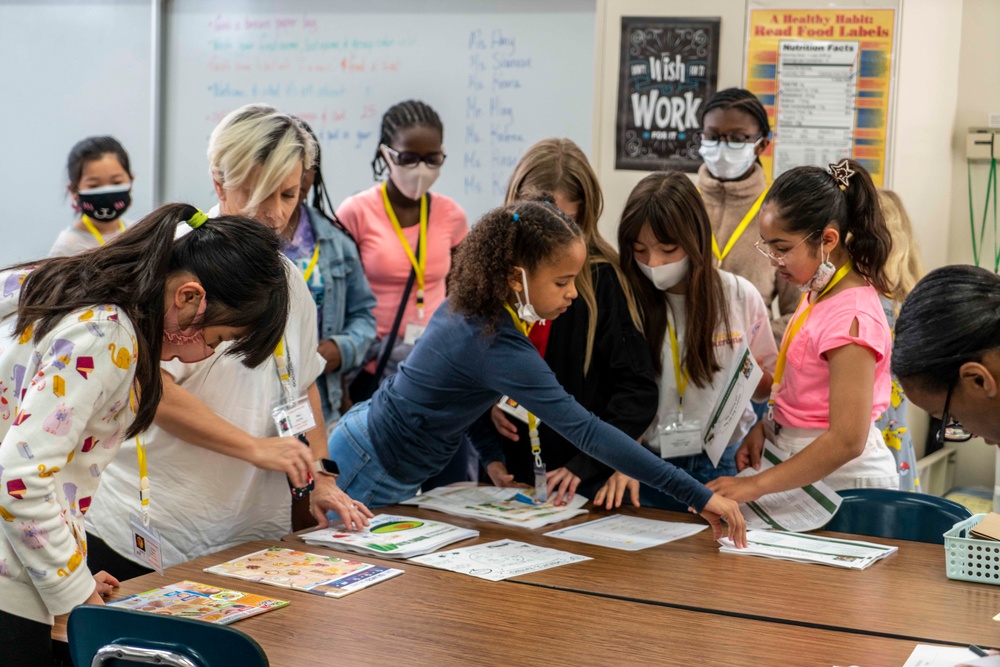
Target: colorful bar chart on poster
<point>824,78</point>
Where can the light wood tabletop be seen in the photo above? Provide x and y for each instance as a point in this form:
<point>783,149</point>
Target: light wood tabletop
<point>906,595</point>
<point>434,617</point>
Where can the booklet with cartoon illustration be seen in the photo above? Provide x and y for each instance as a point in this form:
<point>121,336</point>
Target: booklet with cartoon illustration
<point>391,536</point>
<point>509,506</point>
<point>302,571</point>
<point>189,599</point>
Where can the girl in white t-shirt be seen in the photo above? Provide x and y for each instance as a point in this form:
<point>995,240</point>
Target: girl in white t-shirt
<point>695,318</point>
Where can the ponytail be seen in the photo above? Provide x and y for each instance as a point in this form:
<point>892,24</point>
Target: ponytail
<point>524,235</point>
<point>951,317</point>
<point>236,259</point>
<point>809,199</point>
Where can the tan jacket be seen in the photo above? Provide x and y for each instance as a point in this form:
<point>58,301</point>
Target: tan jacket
<point>727,202</point>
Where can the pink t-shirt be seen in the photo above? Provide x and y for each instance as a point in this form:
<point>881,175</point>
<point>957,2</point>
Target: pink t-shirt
<point>386,263</point>
<point>803,401</point>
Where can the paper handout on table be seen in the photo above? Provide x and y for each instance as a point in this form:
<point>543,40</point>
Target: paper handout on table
<point>499,560</point>
<point>929,655</point>
<point>392,536</point>
<point>189,599</point>
<point>796,510</point>
<point>628,533</point>
<point>741,381</point>
<point>497,504</point>
<point>849,554</point>
<point>302,571</point>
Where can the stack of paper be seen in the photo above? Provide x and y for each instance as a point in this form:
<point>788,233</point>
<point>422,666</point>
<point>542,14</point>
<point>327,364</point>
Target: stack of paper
<point>301,571</point>
<point>499,560</point>
<point>797,510</point>
<point>850,554</point>
<point>392,536</point>
<point>928,655</point>
<point>988,528</point>
<point>628,533</point>
<point>189,599</point>
<point>500,505</point>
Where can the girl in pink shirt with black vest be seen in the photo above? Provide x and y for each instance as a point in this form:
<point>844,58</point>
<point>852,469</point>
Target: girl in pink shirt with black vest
<point>824,231</point>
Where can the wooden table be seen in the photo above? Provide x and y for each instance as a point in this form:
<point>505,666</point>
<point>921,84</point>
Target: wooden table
<point>434,617</point>
<point>904,596</point>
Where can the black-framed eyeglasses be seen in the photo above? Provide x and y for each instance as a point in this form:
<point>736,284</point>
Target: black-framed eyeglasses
<point>735,141</point>
<point>409,160</point>
<point>951,429</point>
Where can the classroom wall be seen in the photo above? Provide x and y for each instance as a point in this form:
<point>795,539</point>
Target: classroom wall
<point>978,94</point>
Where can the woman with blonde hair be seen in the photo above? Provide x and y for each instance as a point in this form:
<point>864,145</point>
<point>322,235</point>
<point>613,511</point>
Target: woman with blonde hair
<point>903,270</point>
<point>217,458</point>
<point>596,349</point>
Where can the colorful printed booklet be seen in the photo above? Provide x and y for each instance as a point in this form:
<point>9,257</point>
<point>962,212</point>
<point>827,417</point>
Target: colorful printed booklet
<point>189,599</point>
<point>511,507</point>
<point>301,571</point>
<point>848,554</point>
<point>495,561</point>
<point>392,536</point>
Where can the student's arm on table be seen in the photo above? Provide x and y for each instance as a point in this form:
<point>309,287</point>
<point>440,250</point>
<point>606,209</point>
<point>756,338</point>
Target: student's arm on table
<point>185,416</point>
<point>327,495</point>
<point>852,380</point>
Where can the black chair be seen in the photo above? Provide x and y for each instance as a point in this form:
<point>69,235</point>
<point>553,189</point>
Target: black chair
<point>896,514</point>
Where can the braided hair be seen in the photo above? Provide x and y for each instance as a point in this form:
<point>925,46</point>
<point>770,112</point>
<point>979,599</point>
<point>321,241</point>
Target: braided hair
<point>399,117</point>
<point>321,197</point>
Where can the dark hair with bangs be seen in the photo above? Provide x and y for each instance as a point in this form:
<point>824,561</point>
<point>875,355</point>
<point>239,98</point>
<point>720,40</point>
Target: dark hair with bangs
<point>669,203</point>
<point>236,259</point>
<point>478,283</point>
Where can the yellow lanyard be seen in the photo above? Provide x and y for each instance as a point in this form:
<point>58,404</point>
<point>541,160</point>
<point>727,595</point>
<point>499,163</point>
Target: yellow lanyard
<point>312,263</point>
<point>284,375</point>
<point>419,265</point>
<point>536,442</point>
<point>93,230</point>
<point>747,219</point>
<point>681,377</point>
<point>793,329</point>
<point>140,451</point>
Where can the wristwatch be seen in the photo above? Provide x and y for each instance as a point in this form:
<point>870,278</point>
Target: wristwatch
<point>326,467</point>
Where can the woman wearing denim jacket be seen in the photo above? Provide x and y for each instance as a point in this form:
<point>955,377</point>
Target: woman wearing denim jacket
<point>329,260</point>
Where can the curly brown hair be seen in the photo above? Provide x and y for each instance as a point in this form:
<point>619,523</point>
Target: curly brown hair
<point>524,234</point>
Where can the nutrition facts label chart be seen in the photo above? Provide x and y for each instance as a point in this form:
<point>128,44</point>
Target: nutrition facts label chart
<point>817,93</point>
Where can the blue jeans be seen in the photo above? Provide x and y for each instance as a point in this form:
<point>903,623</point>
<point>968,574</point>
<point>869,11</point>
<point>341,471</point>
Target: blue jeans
<point>362,475</point>
<point>698,466</point>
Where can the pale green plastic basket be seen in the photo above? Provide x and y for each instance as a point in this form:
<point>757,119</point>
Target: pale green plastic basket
<point>969,559</point>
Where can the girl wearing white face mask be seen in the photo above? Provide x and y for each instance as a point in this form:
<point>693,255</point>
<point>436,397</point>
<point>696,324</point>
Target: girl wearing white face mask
<point>735,130</point>
<point>695,317</point>
<point>100,183</point>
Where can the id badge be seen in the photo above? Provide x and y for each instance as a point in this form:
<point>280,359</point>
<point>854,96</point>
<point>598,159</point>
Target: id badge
<point>146,544</point>
<point>679,438</point>
<point>541,484</point>
<point>413,332</point>
<point>516,410</point>
<point>294,417</point>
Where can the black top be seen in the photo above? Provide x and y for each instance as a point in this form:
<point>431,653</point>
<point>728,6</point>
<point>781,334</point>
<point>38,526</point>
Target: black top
<point>620,388</point>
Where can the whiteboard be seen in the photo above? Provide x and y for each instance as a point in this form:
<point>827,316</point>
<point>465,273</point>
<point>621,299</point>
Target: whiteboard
<point>501,74</point>
<point>69,70</point>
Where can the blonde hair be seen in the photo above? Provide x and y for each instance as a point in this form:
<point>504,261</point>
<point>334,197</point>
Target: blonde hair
<point>903,268</point>
<point>558,166</point>
<point>257,147</point>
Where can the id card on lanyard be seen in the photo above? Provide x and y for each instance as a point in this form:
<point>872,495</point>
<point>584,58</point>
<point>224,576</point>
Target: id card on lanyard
<point>145,538</point>
<point>675,435</point>
<point>418,259</point>
<point>541,477</point>
<point>293,416</point>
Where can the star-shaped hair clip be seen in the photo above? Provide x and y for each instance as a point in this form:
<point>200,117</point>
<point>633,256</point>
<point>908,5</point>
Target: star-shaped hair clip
<point>842,173</point>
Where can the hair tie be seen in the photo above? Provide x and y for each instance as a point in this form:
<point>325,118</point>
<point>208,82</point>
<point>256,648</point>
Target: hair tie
<point>842,173</point>
<point>516,217</point>
<point>197,220</point>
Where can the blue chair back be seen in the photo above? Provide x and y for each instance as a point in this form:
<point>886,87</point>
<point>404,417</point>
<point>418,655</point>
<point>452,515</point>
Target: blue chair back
<point>127,637</point>
<point>897,515</point>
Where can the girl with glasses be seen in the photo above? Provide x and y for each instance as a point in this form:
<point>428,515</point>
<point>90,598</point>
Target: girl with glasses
<point>947,351</point>
<point>824,232</point>
<point>735,131</point>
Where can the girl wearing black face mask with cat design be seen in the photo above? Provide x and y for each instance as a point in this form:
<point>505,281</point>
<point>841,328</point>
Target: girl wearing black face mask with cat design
<point>100,183</point>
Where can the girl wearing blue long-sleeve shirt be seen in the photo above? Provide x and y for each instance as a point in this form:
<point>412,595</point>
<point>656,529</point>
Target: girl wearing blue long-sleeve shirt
<point>517,266</point>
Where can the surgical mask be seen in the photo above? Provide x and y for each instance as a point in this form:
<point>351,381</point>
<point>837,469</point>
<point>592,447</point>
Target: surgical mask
<point>727,163</point>
<point>665,276</point>
<point>413,182</point>
<point>525,310</point>
<point>107,203</point>
<point>186,344</point>
<point>819,281</point>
